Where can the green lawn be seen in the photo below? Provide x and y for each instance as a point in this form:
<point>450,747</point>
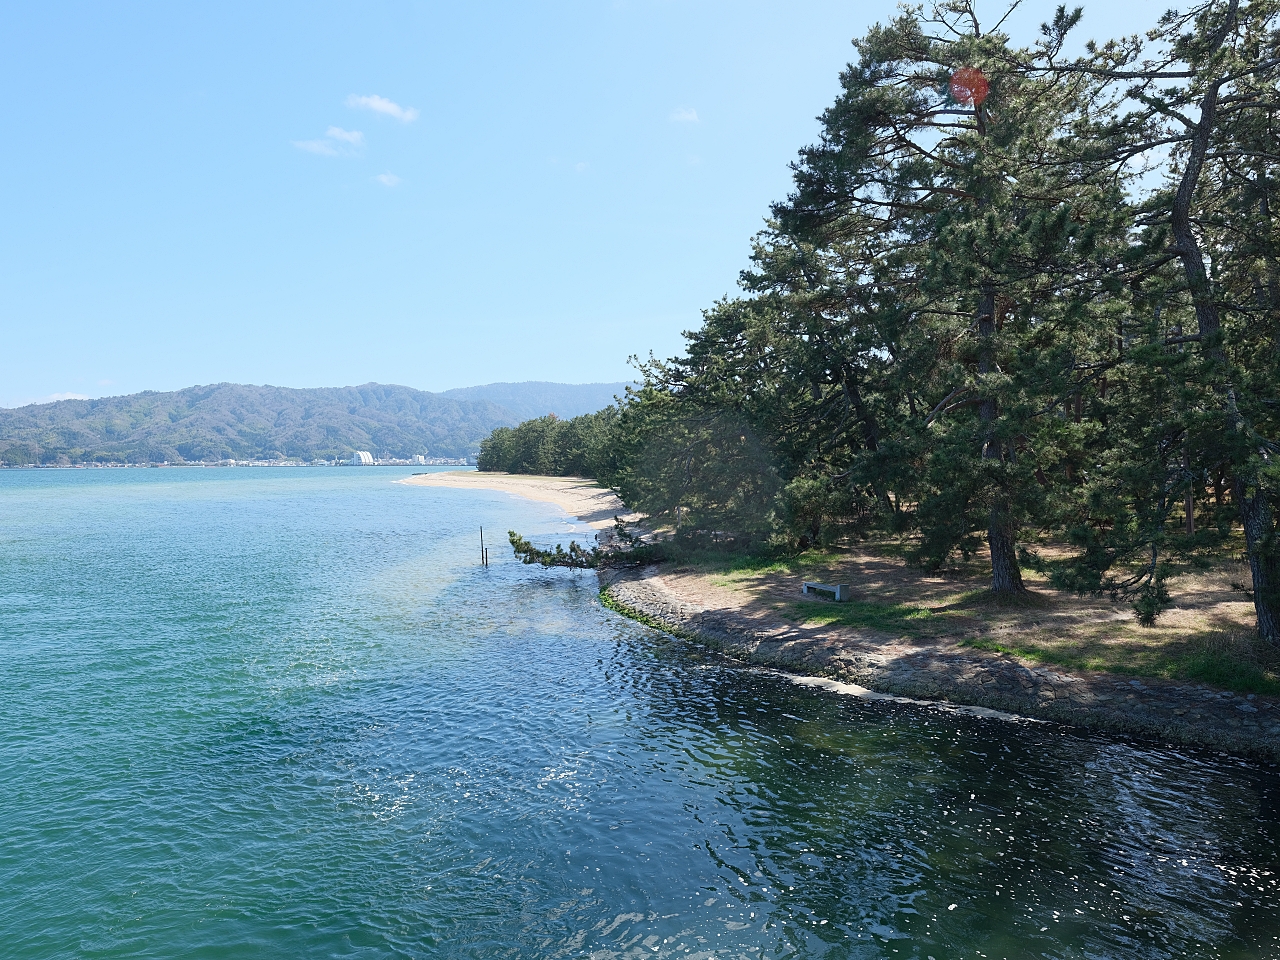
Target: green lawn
<point>899,618</point>
<point>1242,664</point>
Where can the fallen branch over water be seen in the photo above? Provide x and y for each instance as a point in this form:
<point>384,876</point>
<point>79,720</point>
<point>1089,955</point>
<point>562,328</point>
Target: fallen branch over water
<point>575,556</point>
<point>622,549</point>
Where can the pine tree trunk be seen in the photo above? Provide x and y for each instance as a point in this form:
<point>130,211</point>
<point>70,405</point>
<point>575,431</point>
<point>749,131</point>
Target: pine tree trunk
<point>1006,575</point>
<point>1255,512</point>
<point>1264,564</point>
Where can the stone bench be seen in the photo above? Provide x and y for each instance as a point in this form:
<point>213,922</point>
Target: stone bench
<point>838,591</point>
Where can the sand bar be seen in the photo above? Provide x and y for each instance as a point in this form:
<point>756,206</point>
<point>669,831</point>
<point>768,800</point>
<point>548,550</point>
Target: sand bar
<point>585,499</point>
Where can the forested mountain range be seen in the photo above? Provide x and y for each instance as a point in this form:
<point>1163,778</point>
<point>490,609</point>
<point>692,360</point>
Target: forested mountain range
<point>244,422</point>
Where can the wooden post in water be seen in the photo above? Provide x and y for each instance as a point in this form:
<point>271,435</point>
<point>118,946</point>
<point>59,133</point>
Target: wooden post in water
<point>483,562</point>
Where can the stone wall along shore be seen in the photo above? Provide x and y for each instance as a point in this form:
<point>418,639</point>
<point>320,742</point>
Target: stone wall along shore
<point>1180,713</point>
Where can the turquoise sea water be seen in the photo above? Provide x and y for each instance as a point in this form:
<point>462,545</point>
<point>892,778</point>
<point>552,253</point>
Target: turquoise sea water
<point>285,713</point>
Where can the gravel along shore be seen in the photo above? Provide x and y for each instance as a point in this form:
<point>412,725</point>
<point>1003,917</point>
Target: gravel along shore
<point>1180,713</point>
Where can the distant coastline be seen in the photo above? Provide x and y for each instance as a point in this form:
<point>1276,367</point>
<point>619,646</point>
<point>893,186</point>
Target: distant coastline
<point>264,425</point>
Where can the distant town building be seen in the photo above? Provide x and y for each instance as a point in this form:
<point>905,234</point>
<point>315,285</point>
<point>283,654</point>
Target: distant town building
<point>419,459</point>
<point>362,458</point>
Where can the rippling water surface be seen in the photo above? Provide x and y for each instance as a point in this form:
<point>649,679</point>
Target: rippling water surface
<point>285,713</point>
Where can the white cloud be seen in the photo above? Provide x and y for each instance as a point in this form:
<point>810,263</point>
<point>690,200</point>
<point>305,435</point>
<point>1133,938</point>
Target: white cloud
<point>323,147</point>
<point>684,115</point>
<point>382,105</point>
<point>387,179</point>
<point>353,137</point>
<point>336,141</point>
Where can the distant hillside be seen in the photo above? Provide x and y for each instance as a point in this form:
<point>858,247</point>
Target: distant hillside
<point>235,421</point>
<point>535,398</point>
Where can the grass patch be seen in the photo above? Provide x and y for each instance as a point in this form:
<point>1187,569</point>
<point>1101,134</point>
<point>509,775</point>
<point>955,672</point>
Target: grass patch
<point>886,617</point>
<point>728,569</point>
<point>1231,662</point>
<point>1235,663</point>
<point>982,600</point>
<point>1073,658</point>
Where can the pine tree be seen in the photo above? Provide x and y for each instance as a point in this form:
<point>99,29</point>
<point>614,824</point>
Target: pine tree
<point>943,145</point>
<point>1204,88</point>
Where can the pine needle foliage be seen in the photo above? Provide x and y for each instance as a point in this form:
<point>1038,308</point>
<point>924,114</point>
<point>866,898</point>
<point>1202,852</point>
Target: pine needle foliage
<point>1013,296</point>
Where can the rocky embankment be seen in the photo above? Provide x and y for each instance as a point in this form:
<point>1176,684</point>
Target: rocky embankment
<point>1182,713</point>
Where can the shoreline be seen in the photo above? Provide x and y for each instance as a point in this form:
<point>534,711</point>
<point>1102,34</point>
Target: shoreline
<point>1180,714</point>
<point>586,500</point>
<point>943,676</point>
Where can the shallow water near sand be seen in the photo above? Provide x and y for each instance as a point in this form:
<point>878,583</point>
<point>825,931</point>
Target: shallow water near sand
<point>285,713</point>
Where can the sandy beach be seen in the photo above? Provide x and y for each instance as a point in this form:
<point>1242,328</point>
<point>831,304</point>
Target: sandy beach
<point>584,499</point>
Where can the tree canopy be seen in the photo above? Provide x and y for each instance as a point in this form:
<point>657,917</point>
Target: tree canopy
<point>578,447</point>
<point>1013,295</point>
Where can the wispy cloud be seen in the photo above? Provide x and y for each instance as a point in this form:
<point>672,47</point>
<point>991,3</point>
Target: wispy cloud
<point>387,179</point>
<point>353,137</point>
<point>382,105</point>
<point>325,148</point>
<point>336,141</point>
<point>684,115</point>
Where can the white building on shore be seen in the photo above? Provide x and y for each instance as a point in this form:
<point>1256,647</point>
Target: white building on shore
<point>362,458</point>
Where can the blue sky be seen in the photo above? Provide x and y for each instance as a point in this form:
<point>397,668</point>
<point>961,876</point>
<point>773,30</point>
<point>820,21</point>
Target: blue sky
<point>432,194</point>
